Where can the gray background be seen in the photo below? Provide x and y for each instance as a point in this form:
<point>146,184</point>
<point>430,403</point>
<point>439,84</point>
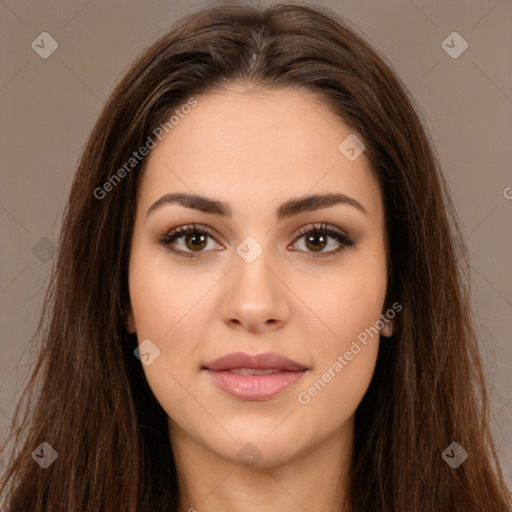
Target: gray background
<point>48,107</point>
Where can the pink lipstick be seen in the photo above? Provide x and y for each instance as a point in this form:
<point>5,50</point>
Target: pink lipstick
<point>256,377</point>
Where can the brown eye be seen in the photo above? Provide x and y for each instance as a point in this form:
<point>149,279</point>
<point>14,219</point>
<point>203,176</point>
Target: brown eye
<point>316,241</point>
<point>317,238</point>
<point>194,240</point>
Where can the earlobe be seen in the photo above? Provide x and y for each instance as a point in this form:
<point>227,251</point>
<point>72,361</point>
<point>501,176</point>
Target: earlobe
<point>129,322</point>
<point>388,329</point>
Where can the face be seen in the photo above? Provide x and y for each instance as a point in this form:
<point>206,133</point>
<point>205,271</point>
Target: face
<point>260,271</point>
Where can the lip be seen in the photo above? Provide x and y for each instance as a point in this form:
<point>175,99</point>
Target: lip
<point>254,387</point>
<point>265,361</point>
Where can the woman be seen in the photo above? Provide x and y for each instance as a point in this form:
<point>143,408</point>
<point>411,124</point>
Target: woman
<point>259,298</point>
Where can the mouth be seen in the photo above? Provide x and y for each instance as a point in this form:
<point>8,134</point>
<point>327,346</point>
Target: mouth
<point>254,378</point>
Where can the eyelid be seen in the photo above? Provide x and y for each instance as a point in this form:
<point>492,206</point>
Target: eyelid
<point>172,234</point>
<point>321,227</point>
<point>343,238</point>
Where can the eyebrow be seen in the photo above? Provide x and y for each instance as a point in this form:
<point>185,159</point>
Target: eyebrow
<point>290,208</point>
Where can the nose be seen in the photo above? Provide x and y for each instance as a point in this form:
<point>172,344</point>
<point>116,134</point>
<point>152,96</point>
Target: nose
<point>255,296</point>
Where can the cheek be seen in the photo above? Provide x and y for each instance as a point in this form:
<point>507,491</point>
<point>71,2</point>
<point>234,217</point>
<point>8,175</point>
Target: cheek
<point>344,361</point>
<point>346,356</point>
<point>352,306</point>
<point>166,307</point>
<point>351,299</point>
<point>332,395</point>
<point>350,350</point>
<point>160,296</point>
<point>160,313</point>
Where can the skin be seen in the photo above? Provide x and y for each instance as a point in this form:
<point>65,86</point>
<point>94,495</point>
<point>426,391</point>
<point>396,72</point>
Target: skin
<point>286,301</point>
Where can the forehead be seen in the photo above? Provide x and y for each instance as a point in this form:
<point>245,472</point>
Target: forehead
<point>258,148</point>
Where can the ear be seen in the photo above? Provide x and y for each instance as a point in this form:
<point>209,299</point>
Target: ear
<point>129,320</point>
<point>388,329</point>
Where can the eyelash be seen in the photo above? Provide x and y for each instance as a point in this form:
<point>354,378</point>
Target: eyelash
<point>323,229</point>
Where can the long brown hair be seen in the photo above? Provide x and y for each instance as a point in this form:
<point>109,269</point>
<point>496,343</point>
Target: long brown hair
<point>88,397</point>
